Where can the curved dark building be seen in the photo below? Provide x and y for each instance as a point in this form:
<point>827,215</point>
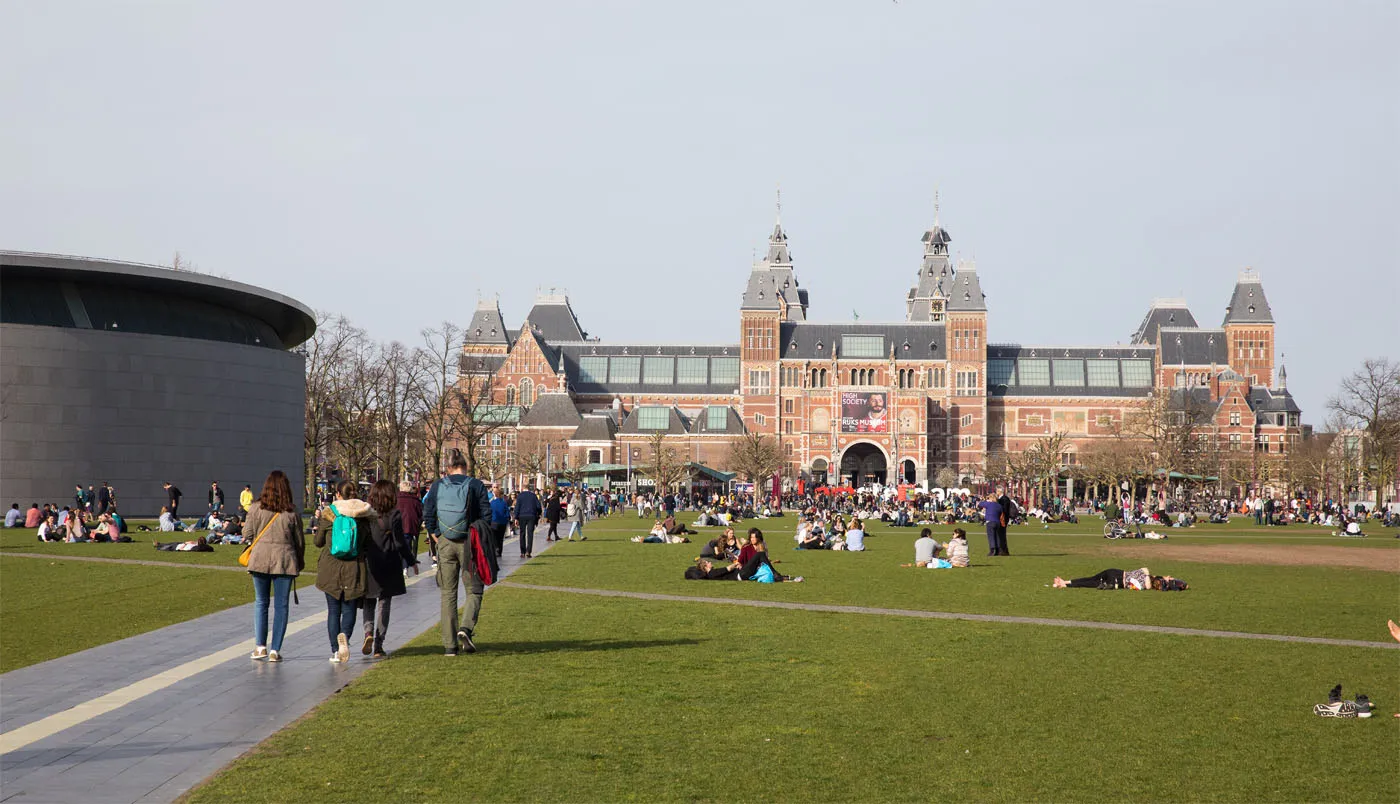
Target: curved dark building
<point>136,374</point>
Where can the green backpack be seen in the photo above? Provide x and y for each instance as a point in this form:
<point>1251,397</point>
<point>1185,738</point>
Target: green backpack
<point>345,538</point>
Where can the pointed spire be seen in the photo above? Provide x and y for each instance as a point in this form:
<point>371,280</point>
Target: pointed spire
<point>1282,375</point>
<point>935,207</point>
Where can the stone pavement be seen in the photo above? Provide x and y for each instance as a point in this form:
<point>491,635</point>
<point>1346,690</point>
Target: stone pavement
<point>146,718</point>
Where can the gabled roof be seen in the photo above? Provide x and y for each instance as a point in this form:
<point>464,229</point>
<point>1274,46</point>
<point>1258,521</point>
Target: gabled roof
<point>554,320</point>
<point>1196,401</point>
<point>551,354</point>
<point>480,364</point>
<point>1247,304</point>
<point>677,423</point>
<point>733,423</point>
<point>1163,313</point>
<point>1265,400</point>
<point>487,326</point>
<point>1193,347</point>
<point>595,428</point>
<point>552,409</point>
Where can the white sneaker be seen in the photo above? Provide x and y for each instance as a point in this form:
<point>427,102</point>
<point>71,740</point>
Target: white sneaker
<point>259,652</point>
<point>335,658</point>
<point>274,656</point>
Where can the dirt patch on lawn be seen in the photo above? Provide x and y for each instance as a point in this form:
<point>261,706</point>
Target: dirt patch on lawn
<point>1374,558</point>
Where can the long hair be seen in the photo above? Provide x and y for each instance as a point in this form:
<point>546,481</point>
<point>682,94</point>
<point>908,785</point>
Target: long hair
<point>348,490</point>
<point>383,496</point>
<point>277,493</point>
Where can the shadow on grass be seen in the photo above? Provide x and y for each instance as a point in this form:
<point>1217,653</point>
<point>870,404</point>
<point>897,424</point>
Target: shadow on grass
<point>554,646</point>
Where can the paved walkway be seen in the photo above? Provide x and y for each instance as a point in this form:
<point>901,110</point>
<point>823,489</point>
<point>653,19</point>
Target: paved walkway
<point>146,718</point>
<point>951,615</point>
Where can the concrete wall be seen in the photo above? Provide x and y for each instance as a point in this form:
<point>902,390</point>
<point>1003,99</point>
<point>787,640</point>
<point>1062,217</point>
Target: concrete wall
<point>84,406</point>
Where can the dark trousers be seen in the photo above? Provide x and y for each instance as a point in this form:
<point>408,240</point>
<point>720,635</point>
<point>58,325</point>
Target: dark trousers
<point>527,535</point>
<point>498,537</point>
<point>1111,578</point>
<point>553,530</point>
<point>1001,541</point>
<point>992,548</point>
<point>340,618</point>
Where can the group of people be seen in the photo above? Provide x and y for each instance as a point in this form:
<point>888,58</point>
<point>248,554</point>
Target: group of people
<point>725,560</point>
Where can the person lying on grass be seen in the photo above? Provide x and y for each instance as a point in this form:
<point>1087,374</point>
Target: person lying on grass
<point>753,564</point>
<point>705,570</point>
<point>197,546</point>
<point>1138,579</point>
<point>658,535</point>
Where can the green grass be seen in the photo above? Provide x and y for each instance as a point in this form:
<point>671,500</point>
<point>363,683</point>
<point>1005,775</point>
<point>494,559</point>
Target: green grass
<point>53,608</point>
<point>589,699</point>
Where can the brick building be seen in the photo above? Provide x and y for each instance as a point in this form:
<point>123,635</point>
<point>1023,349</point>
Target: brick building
<point>871,401</point>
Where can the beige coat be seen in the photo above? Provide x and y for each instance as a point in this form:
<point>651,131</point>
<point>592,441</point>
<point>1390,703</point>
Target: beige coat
<point>282,549</point>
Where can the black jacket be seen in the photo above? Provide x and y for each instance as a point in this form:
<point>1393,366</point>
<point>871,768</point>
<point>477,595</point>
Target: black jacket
<point>552,509</point>
<point>387,553</point>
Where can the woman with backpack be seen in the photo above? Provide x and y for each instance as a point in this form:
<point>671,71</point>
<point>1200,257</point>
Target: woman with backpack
<point>276,556</point>
<point>343,534</point>
<point>387,554</point>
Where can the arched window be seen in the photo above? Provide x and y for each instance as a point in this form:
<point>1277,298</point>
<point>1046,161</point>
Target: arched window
<point>855,376</point>
<point>510,395</point>
<point>823,378</point>
<point>527,392</point>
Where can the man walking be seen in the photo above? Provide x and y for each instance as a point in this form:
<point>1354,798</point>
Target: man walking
<point>527,514</point>
<point>173,494</point>
<point>454,504</point>
<point>104,499</point>
<point>500,519</point>
<point>216,498</point>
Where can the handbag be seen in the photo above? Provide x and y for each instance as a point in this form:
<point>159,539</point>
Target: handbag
<point>247,554</point>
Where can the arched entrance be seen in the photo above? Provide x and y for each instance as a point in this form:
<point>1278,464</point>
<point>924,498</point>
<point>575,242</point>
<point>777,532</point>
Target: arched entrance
<point>906,468</point>
<point>819,472</point>
<point>863,463</point>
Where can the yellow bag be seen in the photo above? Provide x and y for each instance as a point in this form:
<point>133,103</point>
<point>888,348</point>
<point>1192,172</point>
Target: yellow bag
<point>247,553</point>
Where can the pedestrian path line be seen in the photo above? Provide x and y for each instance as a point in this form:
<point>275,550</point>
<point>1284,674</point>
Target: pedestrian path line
<point>142,562</point>
<point>950,615</point>
<point>45,727</point>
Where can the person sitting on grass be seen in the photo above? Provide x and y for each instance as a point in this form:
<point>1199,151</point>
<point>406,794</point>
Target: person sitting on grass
<point>812,539</point>
<point>658,535</point>
<point>957,548</point>
<point>724,548</point>
<point>855,537</point>
<point>169,523</point>
<point>49,531</point>
<point>1138,579</point>
<point>925,549</point>
<point>107,531</point>
<point>76,529</point>
<point>199,545</point>
<point>705,570</point>
<point>674,528</point>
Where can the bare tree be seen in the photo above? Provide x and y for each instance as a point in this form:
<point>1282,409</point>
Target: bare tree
<point>755,457</point>
<point>437,363</point>
<point>946,478</point>
<point>1170,426</point>
<point>396,405</point>
<point>354,415</point>
<point>1369,401</point>
<point>664,465</point>
<point>323,354</point>
<point>478,417</point>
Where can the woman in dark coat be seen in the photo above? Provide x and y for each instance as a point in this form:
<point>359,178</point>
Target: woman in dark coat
<point>344,580</point>
<point>410,507</point>
<point>388,554</point>
<point>552,510</point>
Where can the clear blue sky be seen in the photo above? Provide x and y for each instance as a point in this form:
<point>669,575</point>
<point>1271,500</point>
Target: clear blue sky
<point>389,160</point>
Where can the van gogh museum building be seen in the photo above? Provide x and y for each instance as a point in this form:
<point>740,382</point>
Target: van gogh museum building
<point>135,374</point>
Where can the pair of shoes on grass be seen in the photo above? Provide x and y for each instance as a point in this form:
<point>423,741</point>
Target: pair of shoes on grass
<point>1336,706</point>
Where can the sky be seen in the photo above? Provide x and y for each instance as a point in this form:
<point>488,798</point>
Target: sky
<point>395,162</point>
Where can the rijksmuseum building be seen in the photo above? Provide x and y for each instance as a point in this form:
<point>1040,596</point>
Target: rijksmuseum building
<point>863,402</point>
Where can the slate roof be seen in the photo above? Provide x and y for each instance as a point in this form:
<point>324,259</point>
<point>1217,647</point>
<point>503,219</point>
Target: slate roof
<point>570,353</point>
<point>487,326</point>
<point>678,424</point>
<point>595,428</point>
<point>1268,400</point>
<point>801,340</point>
<point>1014,352</point>
<point>553,318</point>
<point>1173,313</point>
<point>966,291</point>
<point>773,280</point>
<point>1195,400</point>
<point>935,277</point>
<point>552,409</point>
<point>1247,304</point>
<point>480,363</point>
<point>733,423</point>
<point>1193,347</point>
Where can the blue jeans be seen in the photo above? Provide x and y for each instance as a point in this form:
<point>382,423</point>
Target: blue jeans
<point>279,589</point>
<point>340,618</point>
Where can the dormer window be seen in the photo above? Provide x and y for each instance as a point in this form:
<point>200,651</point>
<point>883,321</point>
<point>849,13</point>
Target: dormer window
<point>478,332</point>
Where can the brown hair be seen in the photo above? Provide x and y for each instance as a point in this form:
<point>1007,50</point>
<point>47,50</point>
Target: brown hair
<point>277,493</point>
<point>383,496</point>
<point>347,490</point>
<point>456,460</point>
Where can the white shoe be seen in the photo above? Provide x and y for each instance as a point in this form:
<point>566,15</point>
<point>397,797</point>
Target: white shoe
<point>274,656</point>
<point>259,652</point>
<point>335,658</point>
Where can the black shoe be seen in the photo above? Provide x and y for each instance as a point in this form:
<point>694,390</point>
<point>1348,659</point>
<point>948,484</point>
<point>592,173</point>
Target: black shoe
<point>1335,695</point>
<point>467,644</point>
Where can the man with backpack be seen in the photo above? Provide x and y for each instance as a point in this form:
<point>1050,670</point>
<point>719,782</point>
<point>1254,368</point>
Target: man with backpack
<point>454,505</point>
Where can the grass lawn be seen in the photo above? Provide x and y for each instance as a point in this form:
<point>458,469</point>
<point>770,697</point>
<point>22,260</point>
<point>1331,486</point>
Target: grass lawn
<point>580,698</point>
<point>53,608</point>
<point>42,601</point>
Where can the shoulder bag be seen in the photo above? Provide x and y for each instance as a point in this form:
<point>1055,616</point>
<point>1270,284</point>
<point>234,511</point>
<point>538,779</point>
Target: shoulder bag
<point>247,553</point>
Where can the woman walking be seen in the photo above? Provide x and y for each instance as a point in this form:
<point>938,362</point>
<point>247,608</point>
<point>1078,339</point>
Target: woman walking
<point>387,556</point>
<point>343,571</point>
<point>278,555</point>
<point>551,515</point>
<point>578,509</point>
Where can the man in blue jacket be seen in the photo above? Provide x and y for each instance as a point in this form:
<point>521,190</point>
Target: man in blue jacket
<point>500,519</point>
<point>455,503</point>
<point>527,513</point>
